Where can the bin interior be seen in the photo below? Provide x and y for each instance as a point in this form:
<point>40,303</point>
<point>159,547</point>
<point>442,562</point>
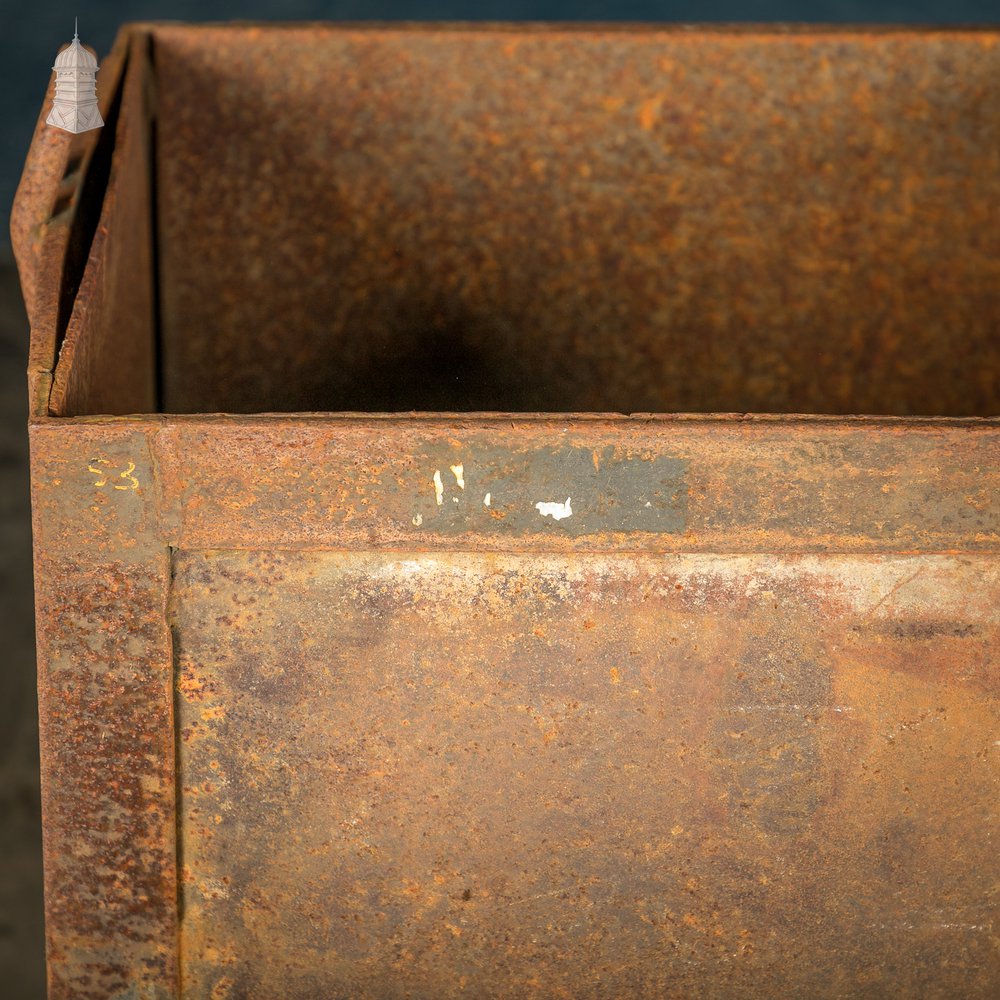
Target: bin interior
<point>577,219</point>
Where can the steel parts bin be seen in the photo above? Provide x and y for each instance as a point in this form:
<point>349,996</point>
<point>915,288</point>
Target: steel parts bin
<point>459,571</point>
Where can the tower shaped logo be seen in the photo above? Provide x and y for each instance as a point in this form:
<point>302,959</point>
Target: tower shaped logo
<point>75,106</point>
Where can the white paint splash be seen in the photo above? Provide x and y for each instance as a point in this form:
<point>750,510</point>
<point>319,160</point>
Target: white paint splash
<point>438,487</point>
<point>557,511</point>
<point>418,519</point>
<point>488,499</point>
<point>458,471</point>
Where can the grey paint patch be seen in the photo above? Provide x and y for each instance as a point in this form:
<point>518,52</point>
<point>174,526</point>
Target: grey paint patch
<point>610,491</point>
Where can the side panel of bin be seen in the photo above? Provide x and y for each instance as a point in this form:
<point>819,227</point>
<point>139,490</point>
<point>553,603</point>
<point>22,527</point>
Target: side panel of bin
<point>101,567</point>
<point>102,575</point>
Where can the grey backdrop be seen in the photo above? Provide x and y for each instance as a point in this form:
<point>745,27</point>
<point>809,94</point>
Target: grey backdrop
<point>31,33</point>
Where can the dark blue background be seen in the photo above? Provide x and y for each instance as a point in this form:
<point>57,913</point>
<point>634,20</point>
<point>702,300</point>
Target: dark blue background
<point>32,32</point>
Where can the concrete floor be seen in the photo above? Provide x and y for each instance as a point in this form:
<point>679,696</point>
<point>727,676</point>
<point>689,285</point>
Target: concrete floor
<point>22,964</point>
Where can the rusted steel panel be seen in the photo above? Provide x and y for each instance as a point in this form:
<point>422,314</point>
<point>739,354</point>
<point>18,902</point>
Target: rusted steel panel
<point>46,223</point>
<point>721,484</point>
<point>106,361</point>
<point>600,776</point>
<point>583,219</point>
<point>275,649</point>
<point>105,715</point>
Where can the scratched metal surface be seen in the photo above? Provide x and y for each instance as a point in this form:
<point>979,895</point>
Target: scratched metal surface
<point>538,776</point>
<point>714,483</point>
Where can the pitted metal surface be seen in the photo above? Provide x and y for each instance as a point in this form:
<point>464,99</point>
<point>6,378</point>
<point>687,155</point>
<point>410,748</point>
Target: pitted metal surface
<point>539,776</point>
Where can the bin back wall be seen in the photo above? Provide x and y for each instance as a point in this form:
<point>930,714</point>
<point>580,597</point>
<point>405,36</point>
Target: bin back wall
<point>589,220</point>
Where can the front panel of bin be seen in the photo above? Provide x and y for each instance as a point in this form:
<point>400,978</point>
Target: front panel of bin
<point>309,732</point>
<point>589,776</point>
<point>457,746</point>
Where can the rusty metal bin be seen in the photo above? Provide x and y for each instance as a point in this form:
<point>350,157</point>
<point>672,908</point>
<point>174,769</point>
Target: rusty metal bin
<point>382,653</point>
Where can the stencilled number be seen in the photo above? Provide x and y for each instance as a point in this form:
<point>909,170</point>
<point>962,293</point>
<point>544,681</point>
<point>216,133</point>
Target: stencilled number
<point>106,474</point>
